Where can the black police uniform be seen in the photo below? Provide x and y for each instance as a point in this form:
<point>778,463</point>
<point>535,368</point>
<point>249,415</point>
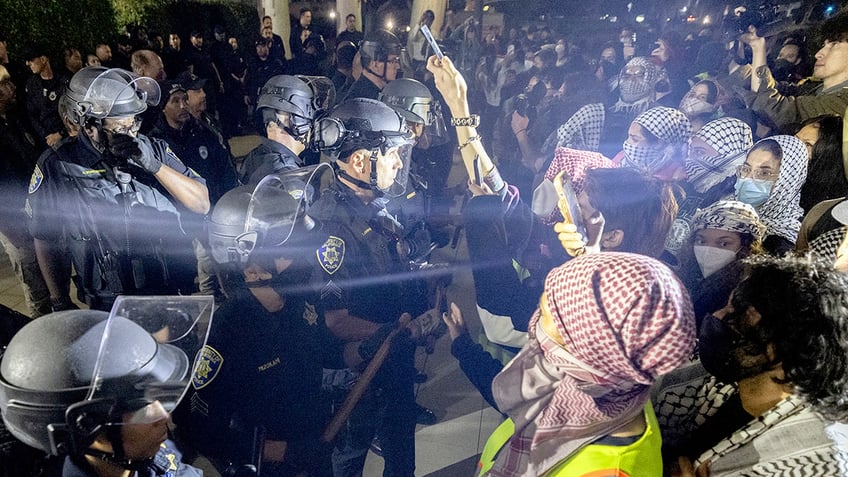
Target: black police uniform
<point>267,158</point>
<point>166,463</point>
<point>262,368</point>
<point>138,249</point>
<point>360,271</point>
<point>363,88</point>
<point>198,148</point>
<point>42,100</point>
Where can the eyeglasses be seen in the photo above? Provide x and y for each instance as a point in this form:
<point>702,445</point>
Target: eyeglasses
<point>744,171</point>
<point>394,61</point>
<point>129,127</point>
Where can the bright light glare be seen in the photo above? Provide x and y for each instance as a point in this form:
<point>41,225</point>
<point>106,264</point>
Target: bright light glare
<point>640,18</point>
<point>332,14</point>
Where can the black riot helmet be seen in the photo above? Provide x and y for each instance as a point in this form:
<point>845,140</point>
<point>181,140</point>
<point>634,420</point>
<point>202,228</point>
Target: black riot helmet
<point>95,93</point>
<point>413,100</point>
<point>304,98</point>
<point>378,46</point>
<point>71,376</point>
<point>363,123</point>
<point>255,224</point>
<point>410,98</point>
<point>291,95</point>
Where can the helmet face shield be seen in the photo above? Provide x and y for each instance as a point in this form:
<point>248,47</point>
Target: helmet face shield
<point>393,168</point>
<point>279,203</point>
<point>164,335</point>
<point>116,93</point>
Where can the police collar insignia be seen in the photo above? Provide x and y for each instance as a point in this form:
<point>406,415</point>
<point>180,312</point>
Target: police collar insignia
<point>36,180</point>
<point>208,365</point>
<point>331,254</point>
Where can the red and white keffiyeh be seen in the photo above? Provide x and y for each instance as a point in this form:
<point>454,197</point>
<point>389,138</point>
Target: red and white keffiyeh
<point>625,319</point>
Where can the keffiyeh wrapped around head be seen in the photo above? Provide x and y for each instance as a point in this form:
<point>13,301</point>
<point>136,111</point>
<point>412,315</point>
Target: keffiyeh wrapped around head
<point>732,139</point>
<point>575,164</point>
<point>730,215</point>
<point>782,212</point>
<point>624,319</point>
<point>672,130</point>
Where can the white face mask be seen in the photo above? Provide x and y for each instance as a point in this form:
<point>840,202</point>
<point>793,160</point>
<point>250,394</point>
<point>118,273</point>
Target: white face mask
<point>528,64</point>
<point>560,49</point>
<point>712,259</point>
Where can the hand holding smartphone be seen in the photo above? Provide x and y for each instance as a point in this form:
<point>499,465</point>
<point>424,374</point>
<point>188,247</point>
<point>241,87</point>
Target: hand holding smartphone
<point>432,41</point>
<point>567,202</point>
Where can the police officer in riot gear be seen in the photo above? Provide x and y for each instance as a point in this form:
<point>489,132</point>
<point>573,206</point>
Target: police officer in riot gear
<point>98,389</point>
<point>112,194</point>
<point>288,105</point>
<point>258,400</point>
<point>365,138</point>
<point>382,56</point>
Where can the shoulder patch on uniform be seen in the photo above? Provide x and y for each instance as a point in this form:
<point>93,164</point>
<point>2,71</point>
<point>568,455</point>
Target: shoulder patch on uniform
<point>331,254</point>
<point>36,179</point>
<point>209,362</point>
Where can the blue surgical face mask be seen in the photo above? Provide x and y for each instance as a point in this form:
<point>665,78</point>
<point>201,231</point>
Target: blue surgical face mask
<point>753,191</point>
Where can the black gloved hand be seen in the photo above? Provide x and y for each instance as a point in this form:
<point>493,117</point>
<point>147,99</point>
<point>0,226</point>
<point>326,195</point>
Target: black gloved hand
<point>126,149</point>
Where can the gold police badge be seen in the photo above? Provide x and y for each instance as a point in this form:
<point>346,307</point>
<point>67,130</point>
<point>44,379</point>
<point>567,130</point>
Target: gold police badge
<point>209,362</point>
<point>331,254</point>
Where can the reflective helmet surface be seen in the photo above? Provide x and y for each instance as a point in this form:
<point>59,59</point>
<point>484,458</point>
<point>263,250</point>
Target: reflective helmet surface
<point>291,95</point>
<point>411,98</point>
<point>51,363</point>
<point>362,123</point>
<point>98,92</point>
<point>379,44</point>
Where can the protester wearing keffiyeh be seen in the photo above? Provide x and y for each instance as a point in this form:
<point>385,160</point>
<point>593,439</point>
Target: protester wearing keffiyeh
<point>731,138</point>
<point>672,130</point>
<point>781,213</point>
<point>575,163</point>
<point>623,320</point>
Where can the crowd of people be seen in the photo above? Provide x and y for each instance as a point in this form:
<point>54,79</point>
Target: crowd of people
<point>658,241</point>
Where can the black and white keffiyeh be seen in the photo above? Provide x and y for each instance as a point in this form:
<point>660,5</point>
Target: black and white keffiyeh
<point>636,93</point>
<point>730,215</point>
<point>732,139</point>
<point>782,212</point>
<point>825,245</point>
<point>582,130</point>
<point>672,130</point>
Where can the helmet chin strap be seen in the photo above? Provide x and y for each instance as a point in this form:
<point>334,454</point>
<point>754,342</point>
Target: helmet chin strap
<point>372,185</point>
<point>381,76</point>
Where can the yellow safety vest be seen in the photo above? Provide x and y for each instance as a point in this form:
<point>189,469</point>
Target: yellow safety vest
<point>642,458</point>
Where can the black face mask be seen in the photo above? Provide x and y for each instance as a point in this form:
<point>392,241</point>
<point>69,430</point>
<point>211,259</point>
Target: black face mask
<point>722,349</point>
<point>782,69</point>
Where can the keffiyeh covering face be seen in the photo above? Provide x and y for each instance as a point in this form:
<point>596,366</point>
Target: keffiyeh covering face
<point>732,139</point>
<point>640,85</point>
<point>637,91</point>
<point>730,215</point>
<point>782,212</point>
<point>672,130</point>
<point>575,163</point>
<point>625,319</point>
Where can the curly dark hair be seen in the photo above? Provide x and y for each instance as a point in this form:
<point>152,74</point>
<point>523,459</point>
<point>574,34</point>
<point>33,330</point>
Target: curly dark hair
<point>803,303</point>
